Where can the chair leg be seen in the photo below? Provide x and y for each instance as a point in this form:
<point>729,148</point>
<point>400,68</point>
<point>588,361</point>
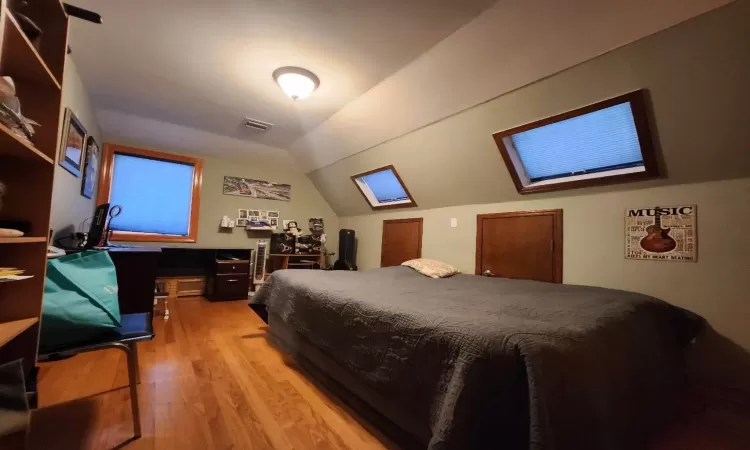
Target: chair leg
<point>133,380</point>
<point>133,346</point>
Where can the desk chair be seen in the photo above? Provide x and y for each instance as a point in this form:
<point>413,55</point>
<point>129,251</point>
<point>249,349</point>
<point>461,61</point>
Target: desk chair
<point>134,328</point>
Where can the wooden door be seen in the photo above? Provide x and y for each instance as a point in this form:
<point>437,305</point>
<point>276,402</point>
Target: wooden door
<point>402,241</point>
<point>521,245</point>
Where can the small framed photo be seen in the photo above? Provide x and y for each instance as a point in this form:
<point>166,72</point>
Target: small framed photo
<point>272,214</point>
<point>90,168</point>
<point>273,221</point>
<point>263,215</point>
<point>253,212</point>
<point>253,218</point>
<point>72,144</point>
<point>242,214</point>
<point>241,223</point>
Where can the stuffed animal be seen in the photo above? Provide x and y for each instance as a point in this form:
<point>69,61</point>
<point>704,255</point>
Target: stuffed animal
<point>292,228</point>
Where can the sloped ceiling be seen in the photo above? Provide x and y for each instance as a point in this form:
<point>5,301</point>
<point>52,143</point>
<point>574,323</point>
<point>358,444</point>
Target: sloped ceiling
<point>696,74</point>
<point>512,44</point>
<point>208,64</point>
<point>138,131</point>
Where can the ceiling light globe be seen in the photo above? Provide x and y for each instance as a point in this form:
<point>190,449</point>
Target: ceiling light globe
<point>296,82</point>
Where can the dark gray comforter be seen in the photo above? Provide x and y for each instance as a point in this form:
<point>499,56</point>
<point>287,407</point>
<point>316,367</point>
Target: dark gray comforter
<point>472,362</point>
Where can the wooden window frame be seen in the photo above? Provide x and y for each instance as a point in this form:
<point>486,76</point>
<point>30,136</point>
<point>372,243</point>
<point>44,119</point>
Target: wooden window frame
<point>557,255</point>
<point>105,186</point>
<point>411,203</point>
<point>637,100</point>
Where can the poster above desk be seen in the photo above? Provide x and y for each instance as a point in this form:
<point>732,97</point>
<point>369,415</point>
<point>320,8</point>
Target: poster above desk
<point>246,187</point>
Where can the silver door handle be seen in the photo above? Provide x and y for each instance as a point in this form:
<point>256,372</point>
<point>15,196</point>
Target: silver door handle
<point>488,273</point>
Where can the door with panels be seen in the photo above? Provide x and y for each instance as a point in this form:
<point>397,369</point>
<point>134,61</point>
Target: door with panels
<point>520,245</point>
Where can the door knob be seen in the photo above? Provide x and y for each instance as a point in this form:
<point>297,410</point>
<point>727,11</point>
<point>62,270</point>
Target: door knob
<point>488,273</point>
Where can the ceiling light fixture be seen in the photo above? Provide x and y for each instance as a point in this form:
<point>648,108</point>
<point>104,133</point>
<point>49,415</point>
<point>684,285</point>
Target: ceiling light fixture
<point>296,82</point>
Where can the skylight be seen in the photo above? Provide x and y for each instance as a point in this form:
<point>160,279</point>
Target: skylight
<point>605,142</point>
<point>383,188</point>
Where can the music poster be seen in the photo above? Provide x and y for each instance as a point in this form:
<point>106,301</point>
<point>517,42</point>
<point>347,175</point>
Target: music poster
<point>662,233</point>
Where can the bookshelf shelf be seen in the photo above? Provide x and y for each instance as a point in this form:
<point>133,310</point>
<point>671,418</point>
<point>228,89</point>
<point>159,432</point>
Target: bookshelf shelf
<point>9,330</point>
<point>20,59</point>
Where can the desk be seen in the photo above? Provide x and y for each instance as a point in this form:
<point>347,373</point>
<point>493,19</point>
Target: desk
<point>136,277</point>
<point>226,270</point>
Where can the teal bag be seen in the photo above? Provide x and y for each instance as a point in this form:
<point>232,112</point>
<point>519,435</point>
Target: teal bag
<point>80,299</point>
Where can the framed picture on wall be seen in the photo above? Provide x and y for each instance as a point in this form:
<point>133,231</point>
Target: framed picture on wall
<point>242,214</point>
<point>72,143</point>
<point>90,168</point>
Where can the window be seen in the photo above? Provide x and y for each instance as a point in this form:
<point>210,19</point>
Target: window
<point>601,143</point>
<point>383,188</point>
<point>159,194</point>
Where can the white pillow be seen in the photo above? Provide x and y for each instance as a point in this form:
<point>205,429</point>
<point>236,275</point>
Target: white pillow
<point>431,267</point>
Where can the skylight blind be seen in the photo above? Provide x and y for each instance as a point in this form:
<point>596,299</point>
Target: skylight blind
<point>385,186</point>
<point>155,195</point>
<point>602,140</point>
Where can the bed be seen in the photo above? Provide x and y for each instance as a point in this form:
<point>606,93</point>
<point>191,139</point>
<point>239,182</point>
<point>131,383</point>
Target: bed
<point>470,362</point>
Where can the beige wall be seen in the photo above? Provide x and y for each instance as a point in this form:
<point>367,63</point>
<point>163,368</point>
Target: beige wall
<point>716,286</point>
<point>69,207</point>
<point>306,201</point>
<point>696,74</point>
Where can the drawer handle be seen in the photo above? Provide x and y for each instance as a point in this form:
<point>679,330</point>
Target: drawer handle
<point>231,281</point>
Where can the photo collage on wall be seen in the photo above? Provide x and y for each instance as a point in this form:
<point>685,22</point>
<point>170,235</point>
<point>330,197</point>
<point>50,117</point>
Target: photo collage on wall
<point>247,217</point>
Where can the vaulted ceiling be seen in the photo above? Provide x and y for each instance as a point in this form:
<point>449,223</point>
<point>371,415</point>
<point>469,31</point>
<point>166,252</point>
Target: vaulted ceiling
<point>182,74</point>
<point>207,65</point>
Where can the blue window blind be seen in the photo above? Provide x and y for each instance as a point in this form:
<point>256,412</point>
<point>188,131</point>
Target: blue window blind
<point>595,142</point>
<point>385,186</point>
<point>155,195</point>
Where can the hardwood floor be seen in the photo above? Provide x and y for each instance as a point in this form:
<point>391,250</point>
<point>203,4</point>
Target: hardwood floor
<point>209,380</point>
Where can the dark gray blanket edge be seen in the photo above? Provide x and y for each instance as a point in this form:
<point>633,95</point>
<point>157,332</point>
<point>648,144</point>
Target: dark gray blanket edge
<point>436,349</point>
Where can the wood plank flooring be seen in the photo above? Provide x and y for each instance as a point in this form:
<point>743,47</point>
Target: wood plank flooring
<point>209,380</point>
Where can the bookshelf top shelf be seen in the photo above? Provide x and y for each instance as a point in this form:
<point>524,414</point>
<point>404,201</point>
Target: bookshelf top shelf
<point>9,330</point>
<point>20,59</point>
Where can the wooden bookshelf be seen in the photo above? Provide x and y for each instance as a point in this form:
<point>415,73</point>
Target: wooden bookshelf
<point>21,59</point>
<point>17,147</point>
<point>9,330</point>
<point>27,168</point>
<point>22,240</point>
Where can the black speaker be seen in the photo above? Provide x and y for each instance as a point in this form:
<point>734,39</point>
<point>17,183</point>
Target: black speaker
<point>346,248</point>
<point>282,243</point>
<point>302,244</point>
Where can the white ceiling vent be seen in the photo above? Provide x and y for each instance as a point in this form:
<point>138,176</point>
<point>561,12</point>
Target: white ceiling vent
<point>257,124</point>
